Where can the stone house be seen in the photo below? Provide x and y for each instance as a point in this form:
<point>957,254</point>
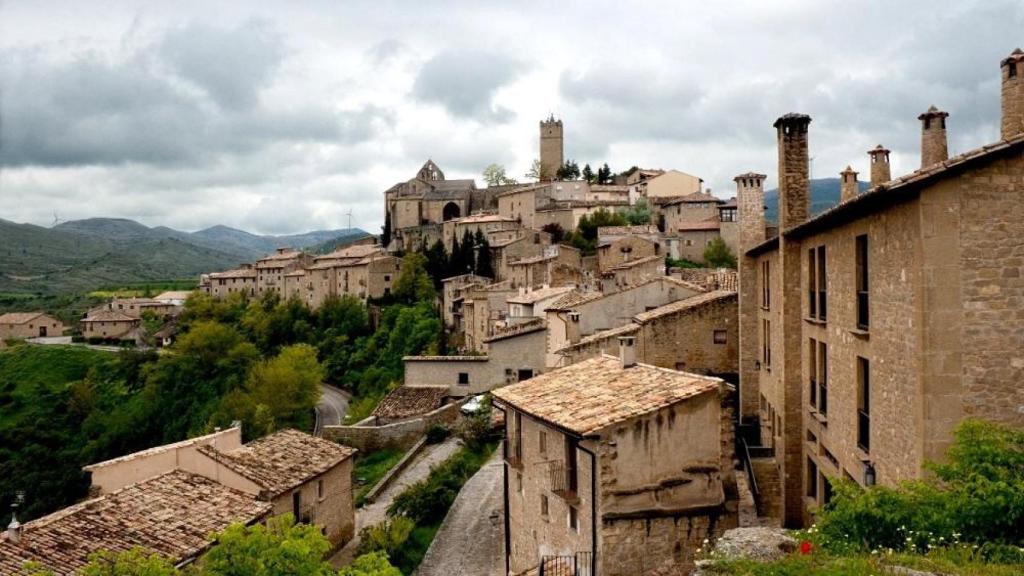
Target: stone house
<point>613,251</point>
<point>292,471</point>
<point>452,289</point>
<point>528,305</point>
<point>694,237</point>
<point>21,325</point>
<point>529,244</point>
<point>482,310</point>
<point>271,269</point>
<point>568,213</point>
<point>871,330</point>
<point>631,273</point>
<point>221,284</point>
<point>483,223</point>
<point>136,307</point>
<point>557,265</point>
<point>620,467</point>
<point>653,185</point>
<point>110,325</point>
<point>699,334</point>
<point>696,207</point>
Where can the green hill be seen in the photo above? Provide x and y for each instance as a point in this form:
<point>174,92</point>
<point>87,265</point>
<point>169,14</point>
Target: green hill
<point>824,195</point>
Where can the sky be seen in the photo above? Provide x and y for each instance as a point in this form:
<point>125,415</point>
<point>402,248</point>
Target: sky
<point>287,117</point>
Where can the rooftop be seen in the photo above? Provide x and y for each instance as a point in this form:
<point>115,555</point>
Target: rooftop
<point>355,251</point>
<point>108,316</point>
<point>627,230</point>
<point>19,317</point>
<point>573,299</point>
<point>282,460</point>
<point>409,401</point>
<point>534,296</point>
<point>480,218</point>
<point>172,515</point>
<point>514,330</point>
<point>683,305</point>
<point>236,273</point>
<point>173,295</point>
<point>637,262</point>
<point>589,396</point>
<point>466,358</point>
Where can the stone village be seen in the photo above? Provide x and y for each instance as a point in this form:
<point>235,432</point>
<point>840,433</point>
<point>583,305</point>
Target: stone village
<point>644,407</point>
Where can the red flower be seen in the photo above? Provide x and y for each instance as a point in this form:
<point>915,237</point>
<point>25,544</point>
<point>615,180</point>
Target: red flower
<point>805,547</point>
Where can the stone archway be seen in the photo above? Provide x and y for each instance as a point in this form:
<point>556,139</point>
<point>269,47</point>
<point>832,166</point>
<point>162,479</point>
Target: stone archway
<point>451,211</point>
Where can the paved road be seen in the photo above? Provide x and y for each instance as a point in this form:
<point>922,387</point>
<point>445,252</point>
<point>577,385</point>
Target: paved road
<point>331,409</point>
<point>376,512</point>
<point>471,541</point>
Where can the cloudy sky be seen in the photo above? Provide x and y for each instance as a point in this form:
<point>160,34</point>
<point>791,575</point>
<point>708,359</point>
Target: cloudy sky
<point>283,118</point>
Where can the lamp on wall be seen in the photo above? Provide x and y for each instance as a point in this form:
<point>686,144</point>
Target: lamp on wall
<point>869,474</point>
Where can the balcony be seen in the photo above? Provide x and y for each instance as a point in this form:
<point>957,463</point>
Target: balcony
<point>514,455</point>
<point>563,480</point>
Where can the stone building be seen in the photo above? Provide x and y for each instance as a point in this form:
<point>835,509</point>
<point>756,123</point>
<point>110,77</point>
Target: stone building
<point>699,334</point>
<point>617,467</point>
<point>21,325</point>
<point>110,325</point>
<point>527,244</point>
<point>870,331</point>
<point>624,248</point>
<point>631,273</point>
<point>271,269</point>
<point>557,265</point>
<point>655,185</point>
<point>220,284</point>
<point>137,307</point>
<point>483,223</point>
<point>551,148</point>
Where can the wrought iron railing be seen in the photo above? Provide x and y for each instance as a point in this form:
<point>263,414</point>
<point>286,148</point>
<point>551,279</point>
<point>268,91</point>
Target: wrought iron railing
<point>562,479</point>
<point>751,478</point>
<point>579,564</point>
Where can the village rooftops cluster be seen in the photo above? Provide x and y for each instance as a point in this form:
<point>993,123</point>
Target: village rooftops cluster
<point>594,394</point>
<point>172,514</point>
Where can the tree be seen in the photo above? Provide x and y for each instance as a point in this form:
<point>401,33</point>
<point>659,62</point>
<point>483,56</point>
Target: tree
<point>484,264</point>
<point>387,537</point>
<point>588,173</point>
<point>534,172</point>
<point>279,548</point>
<point>590,223</point>
<point>638,214</point>
<point>288,385</point>
<point>413,283</point>
<point>568,171</point>
<point>438,262</point>
<point>134,562</point>
<point>556,231</point>
<point>385,237</point>
<point>604,175</point>
<point>494,175</point>
<point>718,255</point>
<point>373,564</point>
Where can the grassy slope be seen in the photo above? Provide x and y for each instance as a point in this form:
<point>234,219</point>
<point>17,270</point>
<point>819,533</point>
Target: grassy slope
<point>371,467</point>
<point>822,564</point>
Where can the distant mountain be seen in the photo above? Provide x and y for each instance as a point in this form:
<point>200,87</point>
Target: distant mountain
<point>83,255</point>
<point>824,195</point>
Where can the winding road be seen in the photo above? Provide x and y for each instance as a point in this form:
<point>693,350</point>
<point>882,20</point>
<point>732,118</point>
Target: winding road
<point>331,409</point>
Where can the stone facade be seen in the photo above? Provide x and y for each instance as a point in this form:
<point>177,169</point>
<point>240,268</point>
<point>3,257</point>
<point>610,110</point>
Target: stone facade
<point>624,249</point>
<point>848,185</point>
<point>750,202</point>
<point>20,325</point>
<point>933,137</point>
<point>551,148</point>
<point>880,170</point>
<point>1012,77</point>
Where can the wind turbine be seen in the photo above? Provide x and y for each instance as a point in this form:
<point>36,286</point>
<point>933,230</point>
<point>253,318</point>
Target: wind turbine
<point>349,214</point>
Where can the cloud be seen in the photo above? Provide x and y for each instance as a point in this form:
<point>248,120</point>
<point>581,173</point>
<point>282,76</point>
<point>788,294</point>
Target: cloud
<point>464,82</point>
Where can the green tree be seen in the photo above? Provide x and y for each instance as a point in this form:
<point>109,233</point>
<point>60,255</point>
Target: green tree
<point>385,236</point>
<point>556,231</point>
<point>718,255</point>
<point>413,283</point>
<point>494,175</point>
<point>279,548</point>
<point>388,536</point>
<point>588,174</point>
<point>638,214</point>
<point>604,175</point>
<point>438,262</point>
<point>484,263</point>
<point>341,323</point>
<point>534,173</point>
<point>568,171</point>
<point>134,562</point>
<point>288,385</point>
<point>373,564</point>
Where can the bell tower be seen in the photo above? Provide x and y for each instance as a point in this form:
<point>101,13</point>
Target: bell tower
<point>551,151</point>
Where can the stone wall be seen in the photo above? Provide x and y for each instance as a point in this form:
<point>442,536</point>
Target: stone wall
<point>368,438</point>
<point>334,511</point>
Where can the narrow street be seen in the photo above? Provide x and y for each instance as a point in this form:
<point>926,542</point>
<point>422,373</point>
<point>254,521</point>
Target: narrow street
<point>471,541</point>
<point>331,409</point>
<point>376,512</point>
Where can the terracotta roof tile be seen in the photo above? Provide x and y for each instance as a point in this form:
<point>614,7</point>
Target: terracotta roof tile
<point>528,327</point>
<point>409,401</point>
<point>172,515</point>
<point>681,305</point>
<point>282,460</point>
<point>19,317</point>
<point>534,296</point>
<point>574,298</point>
<point>593,394</point>
<point>108,316</point>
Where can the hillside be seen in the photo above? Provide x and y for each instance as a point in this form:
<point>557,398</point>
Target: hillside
<point>83,255</point>
<point>824,195</point>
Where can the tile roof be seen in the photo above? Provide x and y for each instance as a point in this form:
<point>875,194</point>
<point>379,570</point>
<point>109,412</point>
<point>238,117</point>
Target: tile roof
<point>637,262</point>
<point>534,296</point>
<point>573,299</point>
<point>281,254</point>
<point>354,251</point>
<point>594,394</point>
<point>409,401</point>
<point>19,317</point>
<point>627,230</point>
<point>108,316</point>
<point>695,197</point>
<point>236,273</point>
<point>172,515</point>
<point>623,330</point>
<point>533,260</point>
<point>477,218</point>
<point>535,325</point>
<point>467,358</point>
<point>173,295</point>
<point>682,305</point>
<point>282,460</point>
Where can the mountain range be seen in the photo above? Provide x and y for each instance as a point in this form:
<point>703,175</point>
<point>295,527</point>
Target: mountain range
<point>824,195</point>
<point>83,255</point>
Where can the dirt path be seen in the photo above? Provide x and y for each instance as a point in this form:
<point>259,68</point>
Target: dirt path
<point>471,541</point>
<point>376,512</point>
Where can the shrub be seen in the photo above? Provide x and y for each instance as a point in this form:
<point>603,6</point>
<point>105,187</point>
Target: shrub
<point>388,536</point>
<point>437,433</point>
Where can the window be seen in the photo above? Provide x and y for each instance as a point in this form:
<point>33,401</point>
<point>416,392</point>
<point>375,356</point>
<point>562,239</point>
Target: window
<point>863,404</point>
<point>517,445</point>
<point>320,489</point>
<point>812,479</point>
<point>1012,70</point>
<point>464,378</point>
<point>766,344</point>
<point>823,377</point>
<point>826,492</point>
<point>812,370</point>
<point>720,337</point>
<point>816,284</point>
<point>543,505</point>
<point>525,374</point>
<point>728,214</point>
<point>574,519</point>
<point>387,277</point>
<point>766,287</point>
<point>862,282</point>
<point>572,483</point>
<point>542,442</point>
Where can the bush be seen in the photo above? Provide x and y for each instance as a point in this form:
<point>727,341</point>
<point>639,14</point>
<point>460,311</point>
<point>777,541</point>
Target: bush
<point>388,536</point>
<point>428,500</point>
<point>437,433</point>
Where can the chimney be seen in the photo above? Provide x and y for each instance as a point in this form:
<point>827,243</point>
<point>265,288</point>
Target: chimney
<point>1013,94</point>
<point>572,327</point>
<point>794,167</point>
<point>750,209</point>
<point>933,137</point>
<point>880,173</point>
<point>849,187</point>
<point>14,530</point>
<point>627,351</point>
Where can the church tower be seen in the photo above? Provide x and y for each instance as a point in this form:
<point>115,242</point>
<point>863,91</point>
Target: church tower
<point>551,153</point>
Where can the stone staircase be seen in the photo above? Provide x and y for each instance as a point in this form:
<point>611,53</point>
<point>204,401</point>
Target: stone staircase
<point>766,472</point>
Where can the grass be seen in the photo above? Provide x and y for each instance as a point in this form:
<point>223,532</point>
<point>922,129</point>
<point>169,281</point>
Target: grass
<point>142,289</point>
<point>371,467</point>
<point>361,407</point>
<point>818,563</point>
<point>411,553</point>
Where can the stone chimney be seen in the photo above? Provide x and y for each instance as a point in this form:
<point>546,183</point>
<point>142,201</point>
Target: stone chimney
<point>880,172</point>
<point>848,187</point>
<point>1013,94</point>
<point>933,137</point>
<point>14,530</point>
<point>794,170</point>
<point>750,209</point>
<point>627,351</point>
<point>572,327</point>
